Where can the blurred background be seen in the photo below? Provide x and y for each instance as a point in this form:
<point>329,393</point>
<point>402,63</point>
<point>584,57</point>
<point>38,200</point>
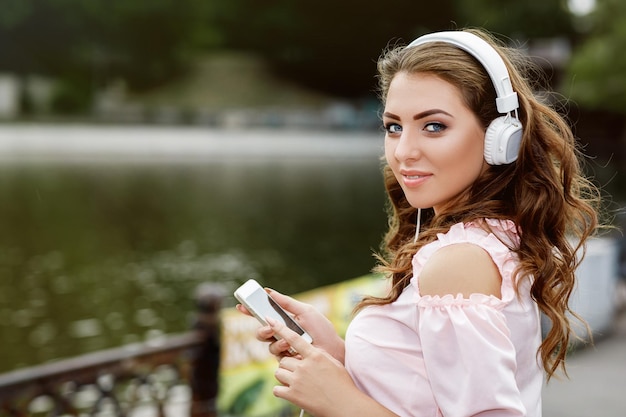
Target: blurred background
<point>148,146</point>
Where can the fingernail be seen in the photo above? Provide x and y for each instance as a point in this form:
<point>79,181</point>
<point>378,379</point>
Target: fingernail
<point>271,321</point>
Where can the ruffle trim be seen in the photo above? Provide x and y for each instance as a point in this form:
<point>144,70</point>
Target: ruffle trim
<point>449,300</point>
<point>501,255</point>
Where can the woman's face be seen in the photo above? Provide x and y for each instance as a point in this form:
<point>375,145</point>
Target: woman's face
<point>433,142</point>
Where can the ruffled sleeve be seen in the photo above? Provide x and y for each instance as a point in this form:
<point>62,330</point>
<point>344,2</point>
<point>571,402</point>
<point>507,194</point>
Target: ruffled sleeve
<point>469,358</point>
<point>468,353</point>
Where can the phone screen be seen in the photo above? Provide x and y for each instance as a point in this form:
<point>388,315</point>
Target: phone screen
<point>266,307</point>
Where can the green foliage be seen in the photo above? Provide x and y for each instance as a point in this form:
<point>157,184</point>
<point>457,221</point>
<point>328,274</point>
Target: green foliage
<point>333,45</point>
<point>70,98</point>
<point>596,75</point>
<point>517,19</point>
<point>91,42</point>
<point>144,41</point>
<point>328,45</point>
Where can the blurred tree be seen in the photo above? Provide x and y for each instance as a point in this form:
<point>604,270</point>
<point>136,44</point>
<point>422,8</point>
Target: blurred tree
<point>596,74</point>
<point>146,42</point>
<point>328,45</point>
<point>332,46</point>
<point>595,80</point>
<point>88,43</point>
<point>519,20</point>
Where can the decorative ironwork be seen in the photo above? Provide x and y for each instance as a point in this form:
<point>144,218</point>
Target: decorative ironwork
<point>173,377</point>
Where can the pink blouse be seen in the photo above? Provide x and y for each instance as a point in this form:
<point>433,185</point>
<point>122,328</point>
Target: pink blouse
<point>429,356</point>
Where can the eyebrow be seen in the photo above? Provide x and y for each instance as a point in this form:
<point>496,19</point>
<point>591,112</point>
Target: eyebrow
<point>421,115</point>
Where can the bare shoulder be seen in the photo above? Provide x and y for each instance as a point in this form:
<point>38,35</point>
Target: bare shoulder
<point>462,268</point>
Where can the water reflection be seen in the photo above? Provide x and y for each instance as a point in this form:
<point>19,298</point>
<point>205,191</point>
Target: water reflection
<point>95,255</point>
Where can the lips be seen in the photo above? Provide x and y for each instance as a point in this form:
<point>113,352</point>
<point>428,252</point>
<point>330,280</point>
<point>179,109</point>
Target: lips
<point>413,178</point>
<point>414,173</point>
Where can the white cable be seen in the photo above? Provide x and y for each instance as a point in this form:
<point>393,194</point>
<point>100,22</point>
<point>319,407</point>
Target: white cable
<point>302,412</point>
<point>417,226</point>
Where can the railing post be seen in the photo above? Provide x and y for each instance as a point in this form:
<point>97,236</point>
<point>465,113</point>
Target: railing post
<point>205,362</point>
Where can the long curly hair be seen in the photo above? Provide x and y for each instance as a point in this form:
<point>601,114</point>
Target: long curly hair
<point>544,192</point>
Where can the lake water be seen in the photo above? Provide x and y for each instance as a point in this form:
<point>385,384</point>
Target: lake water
<point>105,232</point>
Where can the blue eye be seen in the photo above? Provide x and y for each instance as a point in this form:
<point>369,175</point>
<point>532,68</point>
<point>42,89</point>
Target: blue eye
<point>435,127</point>
<point>393,128</point>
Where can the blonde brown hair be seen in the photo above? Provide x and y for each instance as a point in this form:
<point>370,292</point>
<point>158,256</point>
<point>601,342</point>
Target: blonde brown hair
<point>544,192</point>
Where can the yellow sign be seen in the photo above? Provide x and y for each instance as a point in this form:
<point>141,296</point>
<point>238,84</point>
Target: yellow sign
<point>247,368</point>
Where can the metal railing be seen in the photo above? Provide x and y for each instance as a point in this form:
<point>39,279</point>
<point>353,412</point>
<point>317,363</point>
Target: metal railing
<point>174,377</point>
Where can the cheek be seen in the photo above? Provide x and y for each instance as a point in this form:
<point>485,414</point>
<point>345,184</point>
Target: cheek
<point>472,158</point>
<point>474,145</point>
<point>475,165</point>
<point>468,158</point>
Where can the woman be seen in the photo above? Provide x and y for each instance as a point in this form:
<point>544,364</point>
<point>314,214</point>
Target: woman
<point>497,175</point>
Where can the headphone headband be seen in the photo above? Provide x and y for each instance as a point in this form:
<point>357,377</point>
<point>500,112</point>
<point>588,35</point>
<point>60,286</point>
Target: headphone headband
<point>506,100</point>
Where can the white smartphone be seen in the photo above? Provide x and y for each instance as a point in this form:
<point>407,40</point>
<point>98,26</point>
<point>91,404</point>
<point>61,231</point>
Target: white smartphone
<point>261,305</point>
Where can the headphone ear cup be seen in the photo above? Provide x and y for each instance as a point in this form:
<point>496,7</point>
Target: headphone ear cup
<point>502,140</point>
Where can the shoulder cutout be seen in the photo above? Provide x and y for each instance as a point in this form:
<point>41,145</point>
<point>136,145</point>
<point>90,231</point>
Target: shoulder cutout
<point>460,268</point>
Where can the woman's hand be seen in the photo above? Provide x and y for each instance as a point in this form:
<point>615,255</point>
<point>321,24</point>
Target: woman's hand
<point>310,319</point>
<point>318,383</point>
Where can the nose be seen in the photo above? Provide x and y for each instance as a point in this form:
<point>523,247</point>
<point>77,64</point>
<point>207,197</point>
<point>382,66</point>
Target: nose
<point>407,146</point>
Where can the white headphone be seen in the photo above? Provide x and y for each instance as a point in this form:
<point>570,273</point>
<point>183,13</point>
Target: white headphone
<point>504,134</point>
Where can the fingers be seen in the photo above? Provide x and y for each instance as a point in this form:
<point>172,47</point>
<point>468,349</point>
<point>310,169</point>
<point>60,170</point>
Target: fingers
<point>265,334</point>
<point>288,363</point>
<point>281,391</point>
<point>281,348</point>
<point>292,338</point>
<point>243,310</point>
<point>278,348</point>
<point>284,372</point>
<point>288,303</point>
